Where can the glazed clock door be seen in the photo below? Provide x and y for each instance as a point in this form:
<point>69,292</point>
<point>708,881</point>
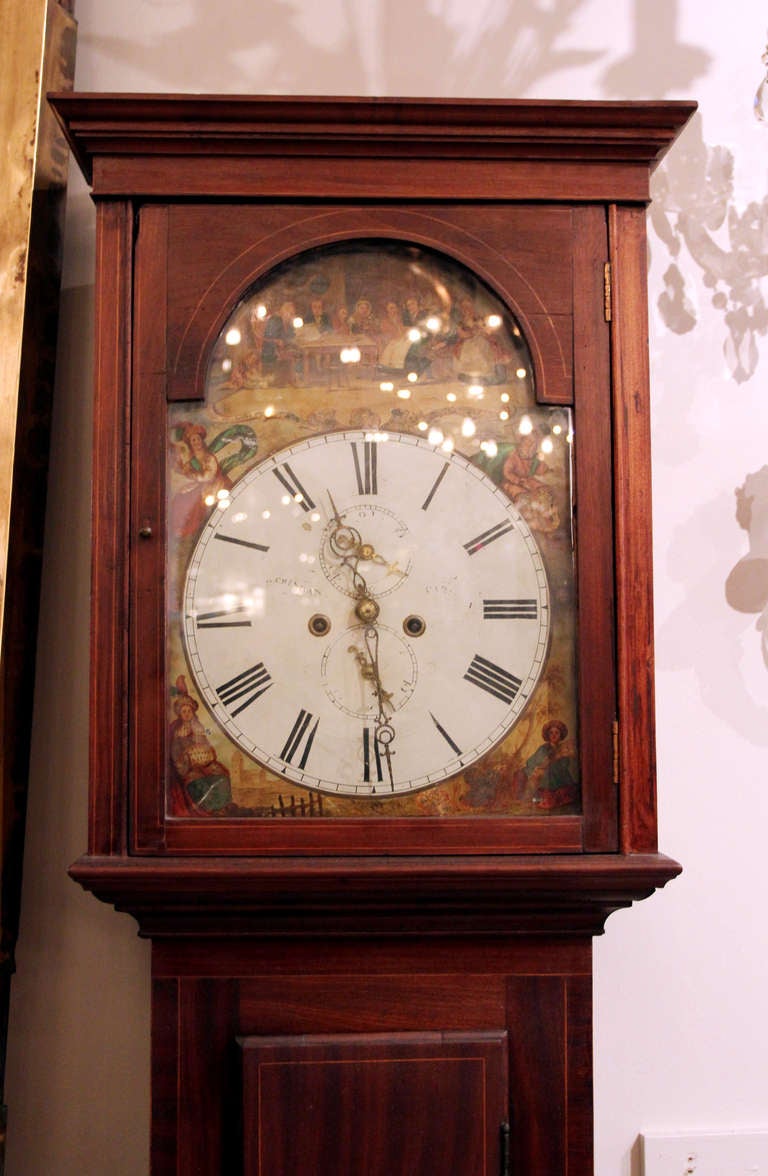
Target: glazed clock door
<point>365,616</point>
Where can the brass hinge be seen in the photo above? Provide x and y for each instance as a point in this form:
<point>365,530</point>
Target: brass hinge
<point>615,751</point>
<point>607,291</point>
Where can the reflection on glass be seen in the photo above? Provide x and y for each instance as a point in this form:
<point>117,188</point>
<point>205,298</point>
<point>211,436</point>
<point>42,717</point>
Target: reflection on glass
<point>383,338</point>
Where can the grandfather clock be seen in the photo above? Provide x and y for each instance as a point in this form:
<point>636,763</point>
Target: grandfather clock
<point>372,670</point>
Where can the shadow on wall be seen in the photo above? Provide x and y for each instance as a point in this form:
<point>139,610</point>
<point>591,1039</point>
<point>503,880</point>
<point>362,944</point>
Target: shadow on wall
<point>658,53</point>
<point>693,210</point>
<point>746,588</point>
<point>353,46</point>
<point>374,47</point>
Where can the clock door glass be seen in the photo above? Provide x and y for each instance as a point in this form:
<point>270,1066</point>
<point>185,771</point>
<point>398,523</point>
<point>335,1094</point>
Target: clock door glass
<point>371,597</point>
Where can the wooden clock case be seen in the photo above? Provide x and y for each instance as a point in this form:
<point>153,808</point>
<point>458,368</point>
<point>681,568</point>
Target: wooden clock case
<point>371,996</point>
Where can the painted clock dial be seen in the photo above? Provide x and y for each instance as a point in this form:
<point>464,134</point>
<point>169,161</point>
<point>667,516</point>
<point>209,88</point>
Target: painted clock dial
<point>371,583</point>
<point>366,614</point>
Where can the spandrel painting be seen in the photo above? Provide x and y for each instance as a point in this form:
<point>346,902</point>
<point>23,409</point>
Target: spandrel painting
<point>371,596</point>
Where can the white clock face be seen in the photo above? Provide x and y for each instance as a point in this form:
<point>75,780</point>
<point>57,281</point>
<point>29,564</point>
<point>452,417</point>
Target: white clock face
<point>366,614</point>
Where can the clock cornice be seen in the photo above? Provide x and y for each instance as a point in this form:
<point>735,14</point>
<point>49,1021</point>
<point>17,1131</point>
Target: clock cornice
<point>465,148</point>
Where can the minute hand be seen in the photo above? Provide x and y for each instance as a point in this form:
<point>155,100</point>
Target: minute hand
<point>384,732</point>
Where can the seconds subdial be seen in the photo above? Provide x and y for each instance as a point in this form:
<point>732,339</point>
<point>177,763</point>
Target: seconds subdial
<point>375,543</point>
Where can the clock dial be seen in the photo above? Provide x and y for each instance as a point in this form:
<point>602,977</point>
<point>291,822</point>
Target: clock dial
<point>366,616</point>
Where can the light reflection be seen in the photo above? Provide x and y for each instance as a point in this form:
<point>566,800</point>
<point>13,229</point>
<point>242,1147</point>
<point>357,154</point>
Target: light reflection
<point>451,396</point>
<point>475,391</point>
<point>269,411</point>
<point>504,398</point>
<point>521,373</point>
<point>286,500</point>
<point>349,355</point>
<point>547,445</point>
<point>387,386</point>
<point>503,415</point>
<point>261,311</point>
<point>447,445</point>
<point>404,393</point>
<point>433,324</point>
<point>232,337</point>
<point>240,517</point>
<point>412,377</point>
<point>557,430</point>
<point>226,365</point>
<point>526,425</point>
<point>422,426</point>
<point>489,448</point>
<point>468,427</point>
<point>435,437</point>
<point>493,321</point>
<point>414,334</point>
<point>298,323</point>
<point>266,514</point>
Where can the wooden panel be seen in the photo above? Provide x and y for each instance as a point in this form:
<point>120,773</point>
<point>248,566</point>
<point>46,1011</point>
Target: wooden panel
<point>594,530</point>
<point>634,573</point>
<point>522,252</point>
<point>537,1074</point>
<point>366,1004</point>
<point>579,1103</point>
<point>430,178</point>
<point>484,955</point>
<point>550,1033</point>
<point>165,1077</point>
<point>147,534</point>
<point>374,1105</point>
<point>207,1108</point>
<point>109,609</point>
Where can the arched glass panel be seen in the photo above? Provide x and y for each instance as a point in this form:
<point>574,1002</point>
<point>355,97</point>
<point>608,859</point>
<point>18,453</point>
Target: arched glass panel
<point>371,587</point>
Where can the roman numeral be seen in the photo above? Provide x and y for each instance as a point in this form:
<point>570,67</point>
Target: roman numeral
<point>489,536</point>
<point>435,486</point>
<point>371,757</point>
<point>365,467</point>
<point>510,610</point>
<point>288,479</point>
<point>300,739</point>
<point>493,679</point>
<point>248,686</point>
<point>240,542</point>
<point>453,746</point>
<point>212,620</point>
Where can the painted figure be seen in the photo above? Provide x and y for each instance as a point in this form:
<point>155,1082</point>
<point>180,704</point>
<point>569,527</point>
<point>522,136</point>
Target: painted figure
<point>201,780</point>
<point>553,769</point>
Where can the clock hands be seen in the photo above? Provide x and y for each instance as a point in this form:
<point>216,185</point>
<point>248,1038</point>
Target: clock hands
<point>384,732</point>
<point>346,543</point>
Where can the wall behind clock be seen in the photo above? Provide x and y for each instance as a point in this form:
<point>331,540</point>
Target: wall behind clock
<point>681,1034</point>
